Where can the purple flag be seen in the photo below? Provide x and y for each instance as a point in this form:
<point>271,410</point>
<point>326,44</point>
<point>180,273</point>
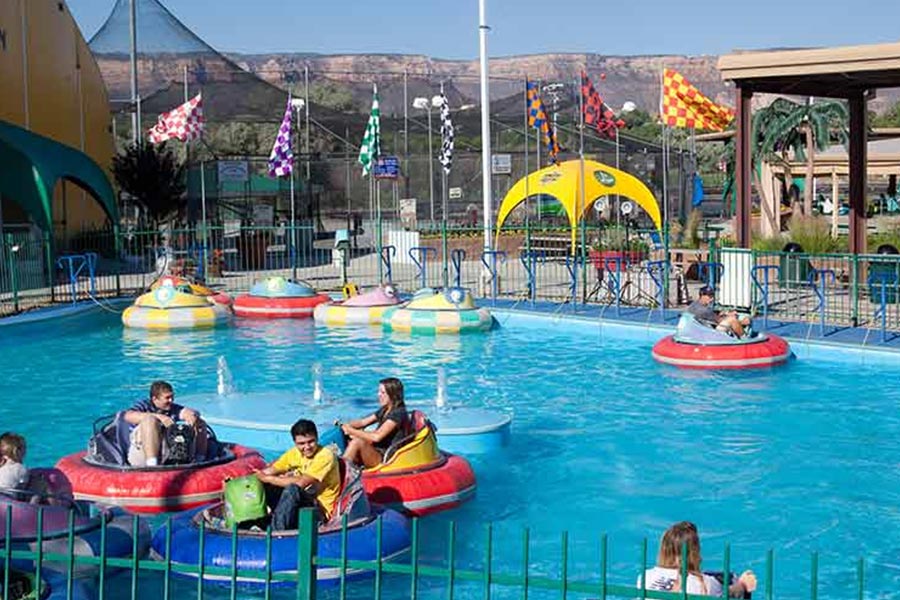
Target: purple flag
<point>281,161</point>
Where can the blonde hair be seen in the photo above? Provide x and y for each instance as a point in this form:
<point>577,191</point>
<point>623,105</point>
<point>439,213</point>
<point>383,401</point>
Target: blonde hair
<point>670,546</point>
<point>12,446</point>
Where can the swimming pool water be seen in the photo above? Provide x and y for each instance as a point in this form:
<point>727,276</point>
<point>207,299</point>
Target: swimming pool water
<point>799,459</point>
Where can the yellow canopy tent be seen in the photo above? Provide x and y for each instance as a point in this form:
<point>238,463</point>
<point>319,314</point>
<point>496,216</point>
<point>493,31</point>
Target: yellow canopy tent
<point>563,182</point>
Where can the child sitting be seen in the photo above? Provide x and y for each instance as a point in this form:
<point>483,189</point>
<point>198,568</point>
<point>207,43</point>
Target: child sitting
<point>13,474</point>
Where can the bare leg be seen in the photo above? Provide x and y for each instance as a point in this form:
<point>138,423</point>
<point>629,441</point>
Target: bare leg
<point>151,436</point>
<point>361,452</point>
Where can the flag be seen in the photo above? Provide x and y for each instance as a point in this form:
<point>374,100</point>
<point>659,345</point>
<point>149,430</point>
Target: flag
<point>183,123</point>
<point>684,106</point>
<point>596,113</point>
<point>370,148</point>
<point>446,156</point>
<point>537,118</point>
<point>281,160</point>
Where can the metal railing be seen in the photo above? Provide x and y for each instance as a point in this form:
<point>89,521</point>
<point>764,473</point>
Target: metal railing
<point>420,572</point>
<point>540,266</point>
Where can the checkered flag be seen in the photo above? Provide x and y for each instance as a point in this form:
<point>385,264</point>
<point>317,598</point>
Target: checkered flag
<point>446,157</point>
<point>370,148</point>
<point>184,123</point>
<point>281,160</point>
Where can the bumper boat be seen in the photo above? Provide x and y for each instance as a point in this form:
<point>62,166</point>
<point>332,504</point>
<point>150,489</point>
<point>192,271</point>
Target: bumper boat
<point>429,312</point>
<point>217,296</point>
<point>364,309</point>
<point>170,307</point>
<point>102,473</point>
<point>416,477</point>
<point>46,507</point>
<point>698,346</point>
<point>279,298</point>
<point>250,550</point>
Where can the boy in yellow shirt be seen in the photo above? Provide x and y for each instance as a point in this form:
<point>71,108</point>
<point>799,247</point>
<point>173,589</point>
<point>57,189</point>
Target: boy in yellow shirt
<point>307,475</point>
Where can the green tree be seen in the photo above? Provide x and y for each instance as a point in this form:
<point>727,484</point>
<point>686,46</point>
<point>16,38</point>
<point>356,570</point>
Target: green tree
<point>786,128</point>
<point>330,94</point>
<point>153,178</point>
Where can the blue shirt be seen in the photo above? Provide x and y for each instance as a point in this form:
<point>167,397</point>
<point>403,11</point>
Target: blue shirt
<point>147,406</point>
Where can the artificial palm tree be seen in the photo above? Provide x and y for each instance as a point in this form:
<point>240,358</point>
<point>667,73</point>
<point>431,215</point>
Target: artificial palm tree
<point>786,128</point>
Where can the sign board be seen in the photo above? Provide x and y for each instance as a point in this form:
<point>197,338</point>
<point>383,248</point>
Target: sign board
<point>387,167</point>
<point>234,170</point>
<point>408,213</point>
<point>455,193</point>
<point>501,164</point>
<point>263,215</point>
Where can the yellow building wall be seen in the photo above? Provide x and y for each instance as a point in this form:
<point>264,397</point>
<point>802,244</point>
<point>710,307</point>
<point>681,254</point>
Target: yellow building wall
<point>51,70</point>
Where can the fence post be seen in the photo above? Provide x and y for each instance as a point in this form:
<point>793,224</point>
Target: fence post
<point>307,541</point>
<point>854,290</point>
<point>48,257</point>
<point>11,266</point>
<point>444,257</point>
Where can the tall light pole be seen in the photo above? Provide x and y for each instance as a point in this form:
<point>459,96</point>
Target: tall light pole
<point>424,104</point>
<point>135,114</point>
<point>485,126</point>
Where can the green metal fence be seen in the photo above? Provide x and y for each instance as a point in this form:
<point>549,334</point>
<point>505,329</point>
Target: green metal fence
<point>418,574</point>
<point>530,262</point>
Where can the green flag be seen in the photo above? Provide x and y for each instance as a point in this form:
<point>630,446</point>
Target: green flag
<point>370,148</point>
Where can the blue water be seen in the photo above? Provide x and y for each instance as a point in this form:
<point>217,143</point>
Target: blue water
<point>799,459</point>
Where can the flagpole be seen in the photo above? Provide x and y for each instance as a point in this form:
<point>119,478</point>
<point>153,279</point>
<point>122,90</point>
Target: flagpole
<point>135,118</point>
<point>485,127</point>
<point>537,154</point>
<point>665,215</point>
<point>583,203</point>
<point>527,200</point>
<point>203,214</point>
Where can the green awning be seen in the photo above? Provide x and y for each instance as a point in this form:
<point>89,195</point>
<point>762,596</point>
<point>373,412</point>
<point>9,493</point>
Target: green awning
<point>31,165</point>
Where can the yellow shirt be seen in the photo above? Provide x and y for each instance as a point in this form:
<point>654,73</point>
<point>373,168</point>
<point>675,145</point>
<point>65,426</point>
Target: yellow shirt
<point>323,467</point>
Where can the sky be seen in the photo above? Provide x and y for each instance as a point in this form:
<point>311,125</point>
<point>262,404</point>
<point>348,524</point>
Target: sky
<point>449,29</point>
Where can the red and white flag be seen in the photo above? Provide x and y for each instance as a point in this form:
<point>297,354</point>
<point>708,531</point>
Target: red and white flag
<point>183,123</point>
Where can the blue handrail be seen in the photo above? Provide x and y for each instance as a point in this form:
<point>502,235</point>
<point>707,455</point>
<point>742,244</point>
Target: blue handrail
<point>572,268</point>
<point>815,277</point>
<point>713,271</point>
<point>386,253</point>
<point>457,256</point>
<point>492,268</point>
<point>75,263</point>
<point>764,286</point>
<point>422,261</point>
<point>529,260</point>
<point>615,277</point>
<point>654,268</point>
<point>883,278</point>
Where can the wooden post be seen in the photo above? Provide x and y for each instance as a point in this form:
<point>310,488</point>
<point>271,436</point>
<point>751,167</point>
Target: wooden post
<point>743,164</point>
<point>858,145</point>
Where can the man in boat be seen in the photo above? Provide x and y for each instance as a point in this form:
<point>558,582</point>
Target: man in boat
<point>306,475</point>
<point>727,322</point>
<point>150,419</point>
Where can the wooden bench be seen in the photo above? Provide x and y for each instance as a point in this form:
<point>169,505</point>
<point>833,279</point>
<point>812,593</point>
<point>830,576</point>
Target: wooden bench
<point>552,247</point>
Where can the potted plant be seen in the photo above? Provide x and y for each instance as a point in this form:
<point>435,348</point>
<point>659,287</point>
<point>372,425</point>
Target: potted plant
<point>615,247</point>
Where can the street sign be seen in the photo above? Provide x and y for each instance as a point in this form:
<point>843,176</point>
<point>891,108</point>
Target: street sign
<point>387,167</point>
<point>501,164</point>
<point>455,193</point>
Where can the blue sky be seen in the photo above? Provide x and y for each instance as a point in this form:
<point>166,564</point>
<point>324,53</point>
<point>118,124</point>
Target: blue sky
<point>448,29</point>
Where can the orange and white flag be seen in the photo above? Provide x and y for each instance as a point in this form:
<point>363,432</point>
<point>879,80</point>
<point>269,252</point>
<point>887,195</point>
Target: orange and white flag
<point>684,106</point>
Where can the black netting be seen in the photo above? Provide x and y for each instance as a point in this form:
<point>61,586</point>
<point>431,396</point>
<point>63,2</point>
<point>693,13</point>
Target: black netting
<point>158,32</point>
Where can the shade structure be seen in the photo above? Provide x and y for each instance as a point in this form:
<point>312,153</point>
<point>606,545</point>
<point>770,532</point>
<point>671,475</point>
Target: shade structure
<point>564,182</point>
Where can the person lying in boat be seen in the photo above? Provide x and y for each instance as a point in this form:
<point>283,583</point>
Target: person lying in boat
<point>727,322</point>
<point>306,475</point>
<point>155,430</point>
<point>666,575</point>
<point>367,448</point>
